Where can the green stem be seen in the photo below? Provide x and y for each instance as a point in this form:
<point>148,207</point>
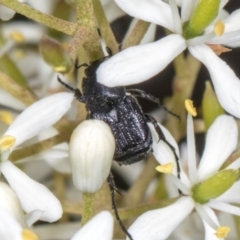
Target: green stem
<point>104,26</point>
<point>43,18</point>
<point>39,147</point>
<point>87,207</point>
<point>124,213</point>
<point>86,20</point>
<point>136,211</point>
<point>136,34</point>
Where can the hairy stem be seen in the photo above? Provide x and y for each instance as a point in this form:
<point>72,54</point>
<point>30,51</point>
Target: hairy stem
<point>43,18</point>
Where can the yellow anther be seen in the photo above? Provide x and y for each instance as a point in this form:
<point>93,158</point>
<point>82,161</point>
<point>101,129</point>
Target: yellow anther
<point>6,117</point>
<point>6,142</point>
<point>28,235</point>
<point>219,28</point>
<point>222,232</point>
<point>17,36</point>
<point>165,168</point>
<point>190,108</point>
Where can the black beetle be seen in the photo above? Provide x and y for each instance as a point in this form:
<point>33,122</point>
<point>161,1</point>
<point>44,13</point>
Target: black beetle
<point>120,110</point>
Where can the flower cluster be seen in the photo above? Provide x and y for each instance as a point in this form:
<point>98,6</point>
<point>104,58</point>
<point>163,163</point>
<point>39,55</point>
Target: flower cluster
<point>204,29</point>
<point>205,188</point>
<point>144,61</point>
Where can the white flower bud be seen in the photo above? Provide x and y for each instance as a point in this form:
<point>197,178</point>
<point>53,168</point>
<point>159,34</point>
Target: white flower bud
<point>91,150</point>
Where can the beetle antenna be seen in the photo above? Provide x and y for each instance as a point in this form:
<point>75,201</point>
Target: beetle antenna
<point>65,85</point>
<point>76,91</point>
<point>113,189</point>
<point>81,65</point>
<point>172,113</point>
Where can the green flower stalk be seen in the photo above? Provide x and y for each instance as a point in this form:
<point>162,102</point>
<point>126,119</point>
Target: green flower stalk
<point>211,106</point>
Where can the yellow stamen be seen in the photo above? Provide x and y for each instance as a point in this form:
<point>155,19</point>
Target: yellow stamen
<point>222,232</point>
<point>17,36</point>
<point>219,28</point>
<point>6,142</point>
<point>6,117</point>
<point>190,108</point>
<point>165,168</point>
<point>28,235</point>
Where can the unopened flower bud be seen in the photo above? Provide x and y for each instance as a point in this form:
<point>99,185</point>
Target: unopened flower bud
<point>205,12</point>
<point>91,150</point>
<point>214,186</point>
<point>55,55</point>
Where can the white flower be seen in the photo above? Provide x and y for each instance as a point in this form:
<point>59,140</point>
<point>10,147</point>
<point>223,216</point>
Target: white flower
<point>11,229</point>
<point>12,221</point>
<point>91,151</point>
<point>9,202</point>
<point>99,227</point>
<point>144,61</point>
<point>37,201</point>
<point>221,141</point>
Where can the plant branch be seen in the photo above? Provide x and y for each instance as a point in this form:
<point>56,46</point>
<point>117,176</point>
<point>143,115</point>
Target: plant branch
<point>104,26</point>
<point>136,34</point>
<point>39,147</point>
<point>43,18</point>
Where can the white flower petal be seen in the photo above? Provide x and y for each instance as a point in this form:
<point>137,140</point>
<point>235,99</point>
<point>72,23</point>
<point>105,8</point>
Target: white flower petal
<point>234,165</point>
<point>176,17</point>
<point>224,207</point>
<point>187,8</point>
<point>7,100</point>
<point>31,31</point>
<point>191,149</point>
<point>112,11</point>
<point>203,212</point>
<point>226,83</point>
<point>161,151</point>
<point>32,195</point>
<point>209,232</point>
<point>33,217</point>
<point>139,63</point>
<point>164,154</point>
<point>232,22</point>
<point>10,203</point>
<point>223,3</point>
<point>232,195</point>
<point>158,224</point>
<point>155,11</point>
<point>6,13</point>
<point>100,227</point>
<point>39,116</point>
<point>61,165</point>
<point>9,227</point>
<point>221,141</point>
<point>231,39</point>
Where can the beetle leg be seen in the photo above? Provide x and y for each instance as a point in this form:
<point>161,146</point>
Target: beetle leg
<point>113,189</point>
<point>149,97</point>
<point>76,91</point>
<point>163,138</point>
<point>82,65</point>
